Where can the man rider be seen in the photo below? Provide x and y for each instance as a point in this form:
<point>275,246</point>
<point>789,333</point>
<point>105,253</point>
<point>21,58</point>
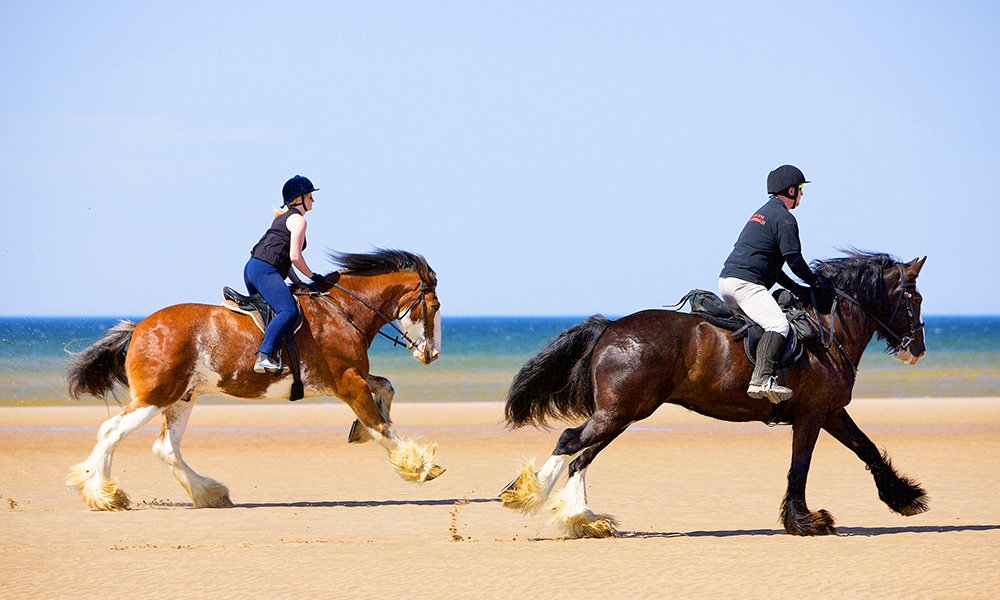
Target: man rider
<point>768,240</point>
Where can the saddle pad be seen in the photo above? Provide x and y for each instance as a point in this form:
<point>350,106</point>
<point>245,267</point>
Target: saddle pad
<point>791,353</point>
<point>255,315</point>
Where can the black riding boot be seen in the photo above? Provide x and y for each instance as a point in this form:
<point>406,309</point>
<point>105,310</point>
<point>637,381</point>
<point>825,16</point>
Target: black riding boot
<point>764,383</point>
<point>266,364</point>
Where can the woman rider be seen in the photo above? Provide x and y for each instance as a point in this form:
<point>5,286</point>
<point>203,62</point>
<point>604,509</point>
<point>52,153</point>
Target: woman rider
<point>768,240</point>
<point>271,262</point>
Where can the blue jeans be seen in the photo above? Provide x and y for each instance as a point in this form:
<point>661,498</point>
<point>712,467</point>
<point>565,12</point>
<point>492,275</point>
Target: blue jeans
<point>262,278</point>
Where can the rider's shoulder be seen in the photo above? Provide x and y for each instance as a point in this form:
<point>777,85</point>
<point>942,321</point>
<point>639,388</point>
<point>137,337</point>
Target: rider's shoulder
<point>295,220</point>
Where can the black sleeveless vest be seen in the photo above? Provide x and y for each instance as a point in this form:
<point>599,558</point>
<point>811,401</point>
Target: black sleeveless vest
<point>275,245</point>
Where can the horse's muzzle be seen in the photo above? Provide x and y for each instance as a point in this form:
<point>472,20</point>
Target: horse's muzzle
<point>907,356</point>
<point>425,352</point>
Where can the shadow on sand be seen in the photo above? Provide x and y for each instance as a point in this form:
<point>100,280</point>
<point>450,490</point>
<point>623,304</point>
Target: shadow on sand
<point>841,531</point>
<point>366,503</point>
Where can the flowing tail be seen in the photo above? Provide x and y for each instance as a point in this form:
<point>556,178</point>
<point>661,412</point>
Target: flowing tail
<point>556,383</point>
<point>96,370</point>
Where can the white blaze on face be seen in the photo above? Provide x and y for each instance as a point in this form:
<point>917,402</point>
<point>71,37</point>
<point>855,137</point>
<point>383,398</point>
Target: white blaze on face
<point>415,331</point>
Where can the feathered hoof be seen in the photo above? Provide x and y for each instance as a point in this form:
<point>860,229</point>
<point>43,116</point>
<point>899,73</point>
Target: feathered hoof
<point>580,522</point>
<point>819,522</point>
<point>919,506</point>
<point>212,495</point>
<point>99,492</point>
<point>415,462</point>
<point>589,524</point>
<point>523,493</point>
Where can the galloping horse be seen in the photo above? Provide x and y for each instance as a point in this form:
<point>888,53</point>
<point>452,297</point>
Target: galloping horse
<point>617,373</point>
<point>181,352</point>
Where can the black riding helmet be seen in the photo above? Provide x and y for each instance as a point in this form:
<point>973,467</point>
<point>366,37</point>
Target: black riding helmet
<point>784,177</point>
<point>295,187</point>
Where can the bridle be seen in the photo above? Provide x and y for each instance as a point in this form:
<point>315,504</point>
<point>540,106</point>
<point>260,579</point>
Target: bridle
<point>899,342</point>
<point>406,341</point>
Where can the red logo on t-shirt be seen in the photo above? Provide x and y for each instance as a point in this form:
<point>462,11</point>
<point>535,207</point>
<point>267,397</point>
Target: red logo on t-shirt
<point>758,218</point>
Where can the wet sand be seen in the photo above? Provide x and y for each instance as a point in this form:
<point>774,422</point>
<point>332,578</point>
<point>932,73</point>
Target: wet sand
<point>697,502</point>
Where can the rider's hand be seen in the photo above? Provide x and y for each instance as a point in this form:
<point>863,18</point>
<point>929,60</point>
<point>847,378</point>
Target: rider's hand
<point>330,279</point>
<point>825,293</point>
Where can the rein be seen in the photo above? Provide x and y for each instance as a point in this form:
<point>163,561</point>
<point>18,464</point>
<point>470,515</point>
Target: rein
<point>406,342</point>
<point>902,342</point>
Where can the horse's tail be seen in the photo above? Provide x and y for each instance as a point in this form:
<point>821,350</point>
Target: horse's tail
<point>95,371</point>
<point>556,383</point>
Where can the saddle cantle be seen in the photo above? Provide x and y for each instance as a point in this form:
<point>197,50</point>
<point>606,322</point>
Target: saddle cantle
<point>256,308</point>
<point>261,313</point>
<point>713,309</point>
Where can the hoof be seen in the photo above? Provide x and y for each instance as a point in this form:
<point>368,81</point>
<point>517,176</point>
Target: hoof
<point>211,494</point>
<point>589,525</point>
<point>813,523</point>
<point>435,472</point>
<point>222,501</point>
<point>357,434</point>
<point>99,492</point>
<point>415,462</point>
<point>913,509</point>
<point>523,493</point>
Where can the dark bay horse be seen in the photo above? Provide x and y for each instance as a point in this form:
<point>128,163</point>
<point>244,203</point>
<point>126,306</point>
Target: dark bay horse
<point>616,373</point>
<point>181,352</point>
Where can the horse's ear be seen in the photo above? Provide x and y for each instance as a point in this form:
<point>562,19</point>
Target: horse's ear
<point>913,267</point>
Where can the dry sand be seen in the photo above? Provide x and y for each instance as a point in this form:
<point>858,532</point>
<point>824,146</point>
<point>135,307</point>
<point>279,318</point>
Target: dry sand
<point>697,500</point>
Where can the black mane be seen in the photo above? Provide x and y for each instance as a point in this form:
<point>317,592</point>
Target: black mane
<point>383,260</point>
<point>862,275</point>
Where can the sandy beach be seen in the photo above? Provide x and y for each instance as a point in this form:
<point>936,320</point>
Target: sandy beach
<point>697,501</point>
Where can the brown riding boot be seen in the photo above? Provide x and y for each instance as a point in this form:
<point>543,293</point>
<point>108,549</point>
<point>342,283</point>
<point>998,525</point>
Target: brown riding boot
<point>764,383</point>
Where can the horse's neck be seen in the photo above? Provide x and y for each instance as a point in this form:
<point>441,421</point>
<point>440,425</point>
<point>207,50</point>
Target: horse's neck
<point>382,292</point>
<point>853,328</point>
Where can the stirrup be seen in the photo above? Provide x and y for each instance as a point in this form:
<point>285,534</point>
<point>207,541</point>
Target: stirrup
<point>266,364</point>
<point>771,390</point>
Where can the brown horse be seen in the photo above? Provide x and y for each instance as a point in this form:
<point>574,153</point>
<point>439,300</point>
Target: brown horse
<point>617,373</point>
<point>181,352</point>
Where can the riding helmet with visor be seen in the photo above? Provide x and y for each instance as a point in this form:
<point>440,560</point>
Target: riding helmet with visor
<point>295,187</point>
<point>784,177</point>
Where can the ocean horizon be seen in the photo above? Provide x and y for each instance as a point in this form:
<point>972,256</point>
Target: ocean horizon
<point>481,354</point>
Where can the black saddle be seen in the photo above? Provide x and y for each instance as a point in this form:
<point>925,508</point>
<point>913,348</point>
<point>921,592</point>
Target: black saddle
<point>713,309</point>
<point>256,302</point>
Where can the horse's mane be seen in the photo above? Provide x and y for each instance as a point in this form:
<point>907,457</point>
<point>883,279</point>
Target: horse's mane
<point>861,274</point>
<point>383,260</point>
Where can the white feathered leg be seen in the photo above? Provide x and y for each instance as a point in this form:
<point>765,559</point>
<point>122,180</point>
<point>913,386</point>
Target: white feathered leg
<point>528,491</point>
<point>413,461</point>
<point>573,514</point>
<point>205,492</point>
<point>92,477</point>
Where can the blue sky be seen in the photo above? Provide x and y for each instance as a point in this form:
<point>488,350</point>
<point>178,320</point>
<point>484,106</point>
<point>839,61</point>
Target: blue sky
<point>548,158</point>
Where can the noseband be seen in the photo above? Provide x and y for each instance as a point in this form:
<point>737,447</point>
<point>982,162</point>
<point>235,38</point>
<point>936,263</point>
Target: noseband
<point>901,342</point>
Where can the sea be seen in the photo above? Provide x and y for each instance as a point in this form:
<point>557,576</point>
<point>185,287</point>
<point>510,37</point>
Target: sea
<point>480,356</point>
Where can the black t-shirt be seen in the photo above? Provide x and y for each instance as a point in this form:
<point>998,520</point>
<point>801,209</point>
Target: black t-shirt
<point>770,235</point>
<point>274,246</point>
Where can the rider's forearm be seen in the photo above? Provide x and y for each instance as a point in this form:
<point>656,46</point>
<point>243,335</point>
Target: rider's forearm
<point>798,266</point>
<point>300,263</point>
